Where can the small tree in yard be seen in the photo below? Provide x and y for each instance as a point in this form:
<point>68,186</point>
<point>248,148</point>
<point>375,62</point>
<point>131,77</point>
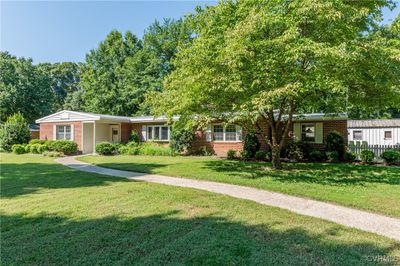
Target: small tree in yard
<point>181,138</point>
<point>14,131</point>
<point>266,60</point>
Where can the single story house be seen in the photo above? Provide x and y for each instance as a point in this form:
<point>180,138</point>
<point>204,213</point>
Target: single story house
<point>374,132</point>
<point>88,129</point>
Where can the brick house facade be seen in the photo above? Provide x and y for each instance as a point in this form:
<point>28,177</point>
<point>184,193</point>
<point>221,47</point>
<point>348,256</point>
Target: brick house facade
<point>89,129</point>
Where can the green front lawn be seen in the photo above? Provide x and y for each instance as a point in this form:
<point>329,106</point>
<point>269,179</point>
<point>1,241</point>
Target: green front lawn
<point>372,188</point>
<point>51,214</point>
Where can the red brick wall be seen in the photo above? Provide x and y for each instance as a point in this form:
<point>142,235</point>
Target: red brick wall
<point>46,131</point>
<point>328,126</point>
<point>35,134</point>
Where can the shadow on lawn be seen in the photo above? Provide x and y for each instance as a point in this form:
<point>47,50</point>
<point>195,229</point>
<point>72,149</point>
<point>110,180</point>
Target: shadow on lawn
<point>166,239</point>
<point>319,173</point>
<point>25,178</point>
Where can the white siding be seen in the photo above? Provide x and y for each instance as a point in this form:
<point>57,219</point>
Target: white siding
<point>375,136</point>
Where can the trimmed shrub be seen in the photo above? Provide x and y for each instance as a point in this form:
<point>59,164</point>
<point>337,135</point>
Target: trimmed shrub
<point>67,147</point>
<point>18,148</point>
<point>294,151</point>
<point>244,154</point>
<point>231,154</point>
<point>53,154</point>
<point>335,142</point>
<point>251,144</point>
<point>261,155</point>
<point>349,156</point>
<point>391,156</point>
<point>14,131</point>
<point>367,156</point>
<point>105,148</point>
<point>134,137</point>
<point>37,141</point>
<point>315,155</point>
<point>154,149</point>
<point>333,156</point>
<point>35,148</point>
<point>41,148</point>
<point>28,148</point>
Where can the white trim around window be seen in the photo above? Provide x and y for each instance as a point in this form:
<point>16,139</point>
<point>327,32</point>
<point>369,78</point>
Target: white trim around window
<point>158,132</point>
<point>64,132</point>
<point>227,133</point>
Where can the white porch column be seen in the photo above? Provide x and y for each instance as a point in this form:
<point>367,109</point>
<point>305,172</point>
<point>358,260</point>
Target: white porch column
<point>94,137</point>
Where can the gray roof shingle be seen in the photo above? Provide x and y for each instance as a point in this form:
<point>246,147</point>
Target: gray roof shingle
<point>373,123</point>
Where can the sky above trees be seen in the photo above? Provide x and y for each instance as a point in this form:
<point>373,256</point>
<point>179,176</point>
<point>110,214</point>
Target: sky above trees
<point>66,31</point>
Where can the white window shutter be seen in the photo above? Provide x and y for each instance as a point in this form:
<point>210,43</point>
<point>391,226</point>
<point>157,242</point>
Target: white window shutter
<point>208,133</point>
<point>319,133</point>
<point>297,131</point>
<point>72,132</point>
<point>144,133</point>
<point>238,133</point>
<point>54,132</point>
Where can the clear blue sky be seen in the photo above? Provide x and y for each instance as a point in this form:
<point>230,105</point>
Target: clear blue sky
<point>65,31</point>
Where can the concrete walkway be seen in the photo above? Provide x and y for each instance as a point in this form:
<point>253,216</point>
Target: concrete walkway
<point>370,222</point>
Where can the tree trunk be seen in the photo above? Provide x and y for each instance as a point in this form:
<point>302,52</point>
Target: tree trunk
<point>276,157</point>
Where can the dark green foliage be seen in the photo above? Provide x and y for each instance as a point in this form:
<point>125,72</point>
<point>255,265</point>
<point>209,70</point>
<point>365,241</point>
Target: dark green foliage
<point>251,144</point>
<point>105,148</point>
<point>14,131</point>
<point>18,148</point>
<point>231,154</point>
<point>23,88</point>
<point>391,156</point>
<point>315,155</point>
<point>333,156</point>
<point>335,142</point>
<point>349,156</point>
<point>261,155</point>
<point>63,80</point>
<point>367,156</point>
<point>181,139</point>
<point>67,147</point>
<point>244,154</point>
<point>134,137</point>
<point>297,150</point>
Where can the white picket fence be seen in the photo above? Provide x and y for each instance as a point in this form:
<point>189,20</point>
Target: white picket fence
<point>377,149</point>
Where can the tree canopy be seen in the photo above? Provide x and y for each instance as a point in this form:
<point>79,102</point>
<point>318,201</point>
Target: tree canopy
<point>23,88</point>
<point>268,59</point>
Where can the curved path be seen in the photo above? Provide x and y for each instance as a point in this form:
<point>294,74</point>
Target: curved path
<point>370,222</point>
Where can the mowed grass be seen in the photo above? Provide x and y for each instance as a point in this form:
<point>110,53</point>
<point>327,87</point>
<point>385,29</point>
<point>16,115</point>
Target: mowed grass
<point>51,214</point>
<point>371,188</point>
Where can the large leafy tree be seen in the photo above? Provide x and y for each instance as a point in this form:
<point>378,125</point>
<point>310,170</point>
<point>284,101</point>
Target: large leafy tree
<point>101,80</point>
<point>164,38</point>
<point>23,88</point>
<point>64,79</point>
<point>266,60</point>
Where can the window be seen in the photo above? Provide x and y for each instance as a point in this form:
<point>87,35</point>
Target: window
<point>218,133</point>
<point>357,135</point>
<point>158,133</point>
<point>63,132</point>
<point>228,133</point>
<point>308,133</point>
<point>388,134</point>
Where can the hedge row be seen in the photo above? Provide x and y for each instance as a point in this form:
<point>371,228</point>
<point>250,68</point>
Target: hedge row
<point>37,146</point>
<point>133,148</point>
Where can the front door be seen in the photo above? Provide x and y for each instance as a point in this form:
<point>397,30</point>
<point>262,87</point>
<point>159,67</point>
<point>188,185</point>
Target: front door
<point>114,134</point>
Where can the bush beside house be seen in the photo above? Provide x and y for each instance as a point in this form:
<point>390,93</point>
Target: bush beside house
<point>53,147</point>
<point>14,131</point>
